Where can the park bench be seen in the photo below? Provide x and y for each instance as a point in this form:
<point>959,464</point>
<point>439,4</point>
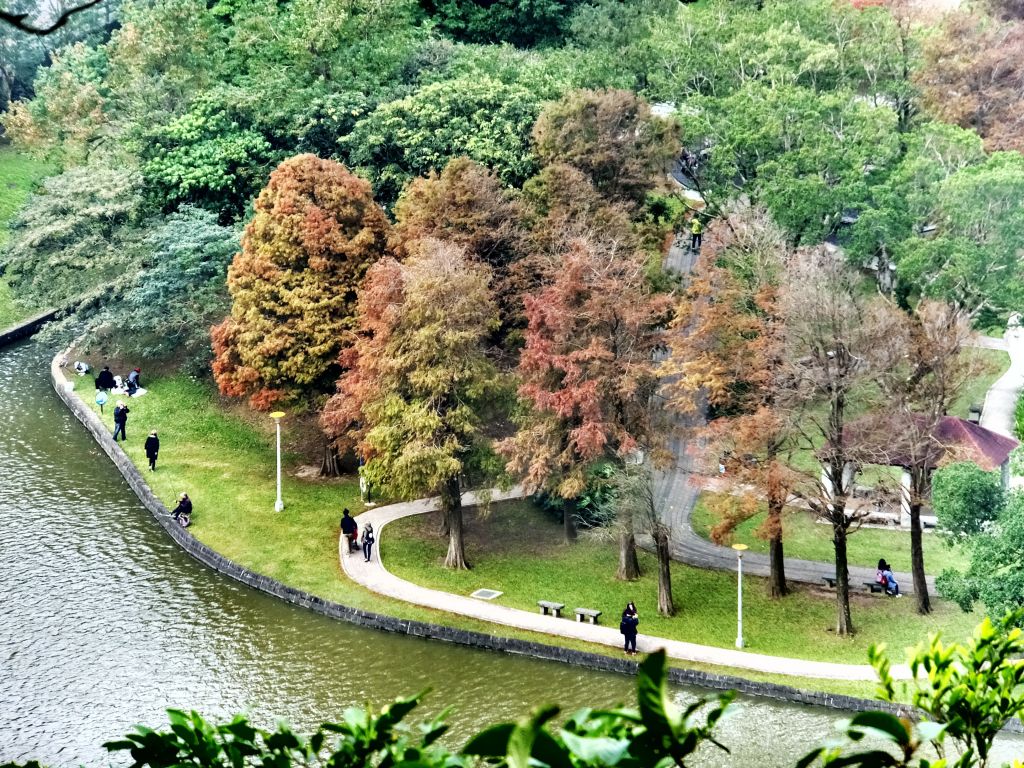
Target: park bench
<point>830,581</point>
<point>874,586</point>
<point>590,613</point>
<point>554,608</point>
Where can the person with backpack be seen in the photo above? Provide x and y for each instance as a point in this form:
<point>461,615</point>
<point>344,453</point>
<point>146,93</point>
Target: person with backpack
<point>368,540</point>
<point>884,576</point>
<point>627,626</point>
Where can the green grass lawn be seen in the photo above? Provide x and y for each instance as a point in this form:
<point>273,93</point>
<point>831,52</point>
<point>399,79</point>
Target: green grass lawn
<point>517,549</point>
<point>19,173</point>
<point>226,463</point>
<point>806,539</point>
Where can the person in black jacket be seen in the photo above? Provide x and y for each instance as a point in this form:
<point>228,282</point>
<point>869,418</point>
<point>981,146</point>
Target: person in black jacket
<point>349,529</point>
<point>120,420</point>
<point>152,449</point>
<point>628,625</point>
<point>105,379</point>
<point>183,512</point>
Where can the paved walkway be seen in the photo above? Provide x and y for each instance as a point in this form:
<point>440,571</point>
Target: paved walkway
<point>374,576</point>
<point>1001,399</point>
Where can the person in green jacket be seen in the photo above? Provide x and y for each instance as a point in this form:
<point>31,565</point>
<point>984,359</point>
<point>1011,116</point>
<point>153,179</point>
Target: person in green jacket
<point>696,234</point>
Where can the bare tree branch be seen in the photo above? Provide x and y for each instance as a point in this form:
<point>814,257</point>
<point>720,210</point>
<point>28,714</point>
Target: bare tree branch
<point>19,20</point>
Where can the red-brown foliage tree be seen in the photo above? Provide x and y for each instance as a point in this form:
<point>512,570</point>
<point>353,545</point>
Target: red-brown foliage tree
<point>586,371</point>
<point>973,75</point>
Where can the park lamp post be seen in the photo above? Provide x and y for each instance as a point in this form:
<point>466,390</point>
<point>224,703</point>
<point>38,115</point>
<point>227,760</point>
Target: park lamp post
<point>277,416</point>
<point>740,548</point>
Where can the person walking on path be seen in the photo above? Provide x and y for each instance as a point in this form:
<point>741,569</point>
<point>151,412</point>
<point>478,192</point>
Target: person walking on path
<point>696,234</point>
<point>349,528</point>
<point>368,540</point>
<point>152,449</point>
<point>182,513</point>
<point>120,420</point>
<point>628,625</point>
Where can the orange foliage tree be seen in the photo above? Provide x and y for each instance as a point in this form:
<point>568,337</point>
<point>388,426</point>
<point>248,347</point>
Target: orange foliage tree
<point>726,352</point>
<point>315,232</point>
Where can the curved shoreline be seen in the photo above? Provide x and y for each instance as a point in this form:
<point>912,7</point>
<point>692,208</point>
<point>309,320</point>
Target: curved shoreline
<point>595,661</point>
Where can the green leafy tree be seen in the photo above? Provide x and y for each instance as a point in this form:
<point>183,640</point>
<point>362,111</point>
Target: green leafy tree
<point>807,156</point>
<point>484,119</point>
<point>76,236</point>
<point>972,258</point>
<point>419,381</point>
<point>523,23</point>
<point>965,497</point>
<point>994,577</point>
<point>180,291</point>
<point>210,157</point>
<point>315,232</point>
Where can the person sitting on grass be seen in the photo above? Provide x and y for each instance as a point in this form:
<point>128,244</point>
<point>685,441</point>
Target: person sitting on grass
<point>182,513</point>
<point>105,379</point>
<point>885,577</point>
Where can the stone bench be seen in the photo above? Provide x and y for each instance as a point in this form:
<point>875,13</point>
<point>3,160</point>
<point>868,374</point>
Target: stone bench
<point>874,586</point>
<point>590,613</point>
<point>555,609</point>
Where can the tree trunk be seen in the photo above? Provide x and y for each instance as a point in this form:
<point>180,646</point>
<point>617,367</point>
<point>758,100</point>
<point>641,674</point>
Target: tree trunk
<point>331,464</point>
<point>451,507</point>
<point>776,563</point>
<point>666,606</point>
<point>844,622</point>
<point>777,575</point>
<point>924,604</point>
<point>569,520</point>
<point>629,565</point>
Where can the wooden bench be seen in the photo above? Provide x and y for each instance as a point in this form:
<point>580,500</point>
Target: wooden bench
<point>874,586</point>
<point>830,581</point>
<point>590,613</point>
<point>554,608</point>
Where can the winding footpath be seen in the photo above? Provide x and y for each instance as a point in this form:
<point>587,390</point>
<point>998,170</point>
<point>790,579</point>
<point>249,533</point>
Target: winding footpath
<point>374,576</point>
<point>677,492</point>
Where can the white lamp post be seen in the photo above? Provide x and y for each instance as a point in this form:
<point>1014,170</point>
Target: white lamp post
<point>740,548</point>
<point>277,416</point>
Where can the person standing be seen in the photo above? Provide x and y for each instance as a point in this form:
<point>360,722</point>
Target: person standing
<point>628,625</point>
<point>152,449</point>
<point>349,528</point>
<point>368,540</point>
<point>696,233</point>
<point>120,420</point>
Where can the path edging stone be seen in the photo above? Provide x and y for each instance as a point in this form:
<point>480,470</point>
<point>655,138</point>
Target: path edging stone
<point>213,559</point>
